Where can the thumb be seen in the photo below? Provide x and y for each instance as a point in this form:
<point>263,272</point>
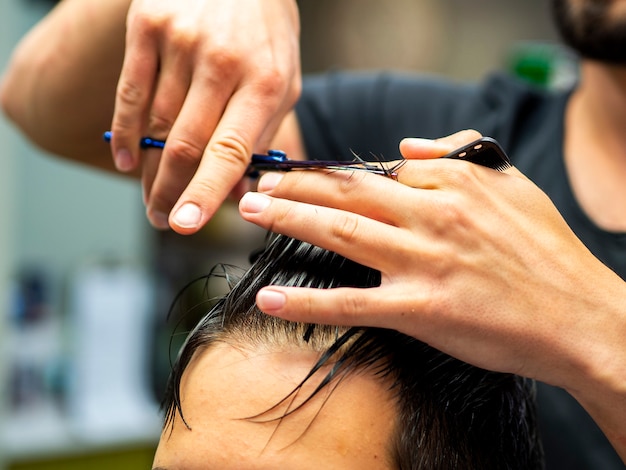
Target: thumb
<point>414,148</point>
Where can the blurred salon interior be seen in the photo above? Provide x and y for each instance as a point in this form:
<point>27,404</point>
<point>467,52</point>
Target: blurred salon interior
<point>86,283</point>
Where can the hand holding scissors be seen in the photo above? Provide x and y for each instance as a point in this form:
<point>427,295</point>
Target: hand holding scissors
<point>213,77</point>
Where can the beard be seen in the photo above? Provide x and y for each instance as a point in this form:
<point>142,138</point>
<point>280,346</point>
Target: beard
<point>592,28</point>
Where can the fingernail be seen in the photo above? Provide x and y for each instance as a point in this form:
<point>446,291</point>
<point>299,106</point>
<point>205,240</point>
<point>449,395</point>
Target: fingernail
<point>268,300</point>
<point>188,216</point>
<point>123,160</point>
<point>254,202</point>
<point>159,220</point>
<point>418,141</point>
<point>431,144</point>
<point>269,181</point>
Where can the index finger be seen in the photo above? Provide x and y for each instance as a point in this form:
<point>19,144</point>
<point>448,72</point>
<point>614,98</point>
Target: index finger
<point>225,159</point>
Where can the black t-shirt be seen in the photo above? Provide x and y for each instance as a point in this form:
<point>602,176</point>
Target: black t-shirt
<point>369,114</point>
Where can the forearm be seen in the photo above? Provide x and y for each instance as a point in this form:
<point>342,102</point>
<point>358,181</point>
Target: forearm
<point>59,87</point>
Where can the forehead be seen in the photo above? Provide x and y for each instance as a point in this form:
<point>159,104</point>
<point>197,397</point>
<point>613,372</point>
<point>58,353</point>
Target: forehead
<point>226,392</point>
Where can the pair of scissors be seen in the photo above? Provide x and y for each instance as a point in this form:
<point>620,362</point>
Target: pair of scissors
<point>484,151</point>
<point>277,160</point>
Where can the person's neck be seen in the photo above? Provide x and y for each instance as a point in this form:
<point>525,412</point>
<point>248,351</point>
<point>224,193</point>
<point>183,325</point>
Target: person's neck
<point>595,144</point>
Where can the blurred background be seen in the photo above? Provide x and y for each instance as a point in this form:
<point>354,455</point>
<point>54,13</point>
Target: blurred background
<point>86,284</point>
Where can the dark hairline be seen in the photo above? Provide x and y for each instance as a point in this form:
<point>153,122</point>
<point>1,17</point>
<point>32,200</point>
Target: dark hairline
<point>237,312</point>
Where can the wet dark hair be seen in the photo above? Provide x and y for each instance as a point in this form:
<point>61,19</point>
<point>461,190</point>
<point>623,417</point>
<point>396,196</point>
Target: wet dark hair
<point>450,415</point>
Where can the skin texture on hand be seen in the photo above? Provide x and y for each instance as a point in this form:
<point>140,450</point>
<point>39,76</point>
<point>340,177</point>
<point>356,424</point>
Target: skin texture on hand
<point>216,79</point>
<point>475,262</point>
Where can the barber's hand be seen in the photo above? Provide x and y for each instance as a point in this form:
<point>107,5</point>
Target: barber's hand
<point>475,262</point>
<point>214,78</point>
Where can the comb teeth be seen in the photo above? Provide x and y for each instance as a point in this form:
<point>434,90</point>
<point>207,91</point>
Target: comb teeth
<point>486,152</point>
<point>504,166</point>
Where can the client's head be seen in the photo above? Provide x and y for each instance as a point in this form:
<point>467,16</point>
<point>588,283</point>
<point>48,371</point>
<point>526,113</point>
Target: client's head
<point>250,391</point>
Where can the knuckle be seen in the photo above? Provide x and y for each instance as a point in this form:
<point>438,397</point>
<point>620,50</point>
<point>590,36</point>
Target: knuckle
<point>145,22</point>
<point>184,152</point>
<point>463,177</point>
<point>276,83</point>
<point>271,83</point>
<point>182,37</point>
<point>345,227</point>
<point>230,150</point>
<point>225,60</point>
<point>159,125</point>
<point>305,304</point>
<point>450,214</point>
<point>207,187</point>
<point>353,303</point>
<point>130,93</point>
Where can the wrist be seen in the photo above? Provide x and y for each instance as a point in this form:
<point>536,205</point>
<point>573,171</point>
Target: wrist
<point>599,379</point>
<point>602,349</point>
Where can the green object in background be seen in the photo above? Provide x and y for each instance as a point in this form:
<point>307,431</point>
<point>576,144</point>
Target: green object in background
<point>118,459</point>
<point>534,68</point>
<point>543,64</point>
